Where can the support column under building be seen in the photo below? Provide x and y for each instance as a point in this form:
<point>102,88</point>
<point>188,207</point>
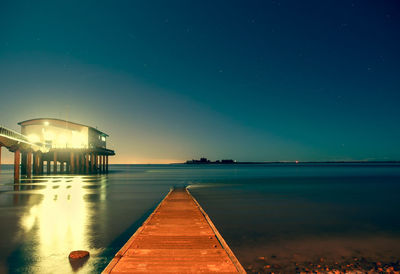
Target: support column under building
<point>37,163</point>
<point>48,165</point>
<point>24,158</point>
<point>77,167</point>
<point>92,158</point>
<point>107,164</point>
<point>17,159</point>
<point>104,163</point>
<point>71,163</point>
<point>41,165</point>
<point>87,162</point>
<point>96,159</point>
<point>55,162</point>
<point>82,160</point>
<point>100,163</point>
<point>34,161</point>
<point>61,166</point>
<point>29,165</point>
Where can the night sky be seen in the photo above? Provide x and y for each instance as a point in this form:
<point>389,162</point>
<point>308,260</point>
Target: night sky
<point>176,80</point>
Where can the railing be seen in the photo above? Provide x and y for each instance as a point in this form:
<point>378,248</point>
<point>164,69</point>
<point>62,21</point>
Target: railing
<point>13,134</point>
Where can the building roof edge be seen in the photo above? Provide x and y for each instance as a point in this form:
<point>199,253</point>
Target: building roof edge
<point>61,120</point>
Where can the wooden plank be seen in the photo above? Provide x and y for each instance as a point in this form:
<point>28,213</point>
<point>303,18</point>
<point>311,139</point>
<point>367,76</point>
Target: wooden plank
<point>178,237</point>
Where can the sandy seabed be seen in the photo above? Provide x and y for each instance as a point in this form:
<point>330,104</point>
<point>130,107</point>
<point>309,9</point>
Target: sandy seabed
<point>378,254</point>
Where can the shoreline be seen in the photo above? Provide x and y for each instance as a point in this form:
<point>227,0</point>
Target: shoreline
<point>324,265</point>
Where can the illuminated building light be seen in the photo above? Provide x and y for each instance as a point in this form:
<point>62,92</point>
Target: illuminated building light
<point>33,138</point>
<point>48,135</point>
<point>60,134</point>
<point>78,140</point>
<point>61,141</point>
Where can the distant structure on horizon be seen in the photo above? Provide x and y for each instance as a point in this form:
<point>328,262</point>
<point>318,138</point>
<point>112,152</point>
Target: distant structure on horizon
<point>206,161</point>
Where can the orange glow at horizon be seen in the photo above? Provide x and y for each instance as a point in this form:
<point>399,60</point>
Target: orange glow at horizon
<point>136,160</point>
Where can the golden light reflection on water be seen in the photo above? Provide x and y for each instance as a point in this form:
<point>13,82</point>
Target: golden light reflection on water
<point>60,223</point>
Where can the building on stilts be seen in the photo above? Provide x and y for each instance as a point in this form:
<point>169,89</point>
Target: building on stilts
<point>66,148</point>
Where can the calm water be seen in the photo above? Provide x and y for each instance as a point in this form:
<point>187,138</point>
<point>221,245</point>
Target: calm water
<point>285,213</point>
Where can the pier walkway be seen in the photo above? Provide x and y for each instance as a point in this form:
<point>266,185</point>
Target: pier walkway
<point>178,237</point>
<point>14,140</point>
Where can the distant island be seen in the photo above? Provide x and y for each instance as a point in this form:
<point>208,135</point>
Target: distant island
<point>206,161</point>
<point>230,161</point>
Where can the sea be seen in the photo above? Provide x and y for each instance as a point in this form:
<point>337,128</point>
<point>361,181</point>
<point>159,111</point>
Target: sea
<point>284,218</point>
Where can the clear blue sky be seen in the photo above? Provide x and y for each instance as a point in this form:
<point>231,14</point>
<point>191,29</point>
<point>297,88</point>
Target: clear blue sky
<point>175,80</point>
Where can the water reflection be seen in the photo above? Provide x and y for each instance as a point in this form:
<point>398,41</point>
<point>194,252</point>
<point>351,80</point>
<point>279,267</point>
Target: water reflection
<point>259,210</point>
<point>42,220</point>
<point>60,222</point>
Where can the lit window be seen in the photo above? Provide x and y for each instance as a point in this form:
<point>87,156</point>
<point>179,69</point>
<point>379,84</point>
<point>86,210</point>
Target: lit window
<point>33,138</point>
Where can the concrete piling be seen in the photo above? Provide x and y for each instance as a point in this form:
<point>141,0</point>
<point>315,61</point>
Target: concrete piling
<point>17,159</point>
<point>29,165</point>
<point>57,162</point>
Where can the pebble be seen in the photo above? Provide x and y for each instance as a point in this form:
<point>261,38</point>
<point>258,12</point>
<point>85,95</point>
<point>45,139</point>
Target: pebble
<point>78,254</point>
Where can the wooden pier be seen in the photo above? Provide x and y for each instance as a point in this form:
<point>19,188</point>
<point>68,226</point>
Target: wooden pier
<point>178,237</point>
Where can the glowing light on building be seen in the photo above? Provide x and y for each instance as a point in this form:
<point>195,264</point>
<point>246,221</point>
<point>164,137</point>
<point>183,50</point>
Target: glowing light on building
<point>66,147</point>
<point>62,141</point>
<point>61,134</point>
<point>48,135</point>
<point>33,138</point>
<point>78,140</point>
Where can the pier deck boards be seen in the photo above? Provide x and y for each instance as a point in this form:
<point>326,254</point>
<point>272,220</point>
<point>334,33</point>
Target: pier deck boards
<point>178,237</point>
